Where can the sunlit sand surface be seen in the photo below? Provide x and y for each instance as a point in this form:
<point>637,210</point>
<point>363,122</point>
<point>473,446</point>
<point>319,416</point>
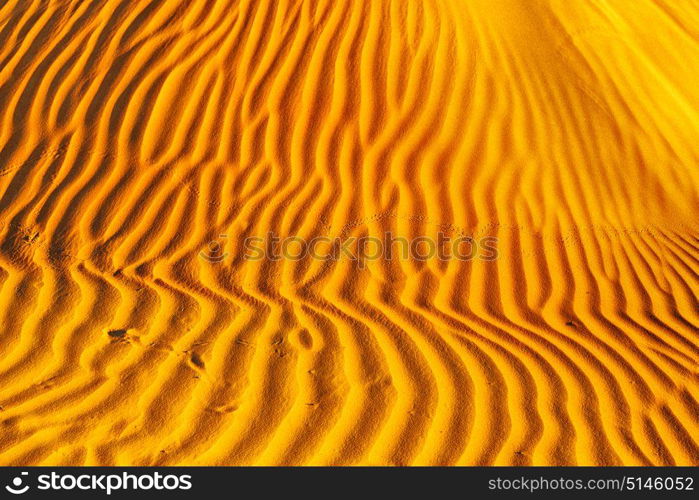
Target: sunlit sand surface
<point>134,134</point>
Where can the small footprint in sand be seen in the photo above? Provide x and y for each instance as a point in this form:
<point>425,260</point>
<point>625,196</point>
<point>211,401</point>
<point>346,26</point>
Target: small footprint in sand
<point>118,333</point>
<point>122,335</point>
<point>225,408</point>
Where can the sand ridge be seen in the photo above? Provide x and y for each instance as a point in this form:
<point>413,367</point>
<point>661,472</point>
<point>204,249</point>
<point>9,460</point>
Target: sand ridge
<point>137,134</point>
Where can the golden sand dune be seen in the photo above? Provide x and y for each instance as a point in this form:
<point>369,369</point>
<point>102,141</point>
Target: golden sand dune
<point>142,141</point>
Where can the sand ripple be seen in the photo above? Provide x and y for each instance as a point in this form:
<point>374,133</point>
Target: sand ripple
<point>133,133</point>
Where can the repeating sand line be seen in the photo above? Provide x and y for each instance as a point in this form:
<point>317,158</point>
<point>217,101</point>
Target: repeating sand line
<point>134,133</point>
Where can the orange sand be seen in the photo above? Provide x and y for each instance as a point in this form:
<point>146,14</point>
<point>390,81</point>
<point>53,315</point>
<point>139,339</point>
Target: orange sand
<point>135,132</point>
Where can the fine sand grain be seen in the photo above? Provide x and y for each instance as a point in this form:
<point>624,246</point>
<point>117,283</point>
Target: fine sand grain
<point>141,142</point>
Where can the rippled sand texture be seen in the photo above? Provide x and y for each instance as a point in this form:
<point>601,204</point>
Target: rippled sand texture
<point>133,133</point>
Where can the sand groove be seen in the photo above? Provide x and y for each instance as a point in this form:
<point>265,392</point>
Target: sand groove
<point>134,133</point>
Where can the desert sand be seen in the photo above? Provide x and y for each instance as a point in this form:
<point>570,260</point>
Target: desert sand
<point>142,141</point>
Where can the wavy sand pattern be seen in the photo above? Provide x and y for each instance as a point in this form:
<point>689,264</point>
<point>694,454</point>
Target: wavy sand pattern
<point>135,132</point>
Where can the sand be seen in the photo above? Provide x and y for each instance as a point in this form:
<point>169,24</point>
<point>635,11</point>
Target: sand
<point>141,142</point>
